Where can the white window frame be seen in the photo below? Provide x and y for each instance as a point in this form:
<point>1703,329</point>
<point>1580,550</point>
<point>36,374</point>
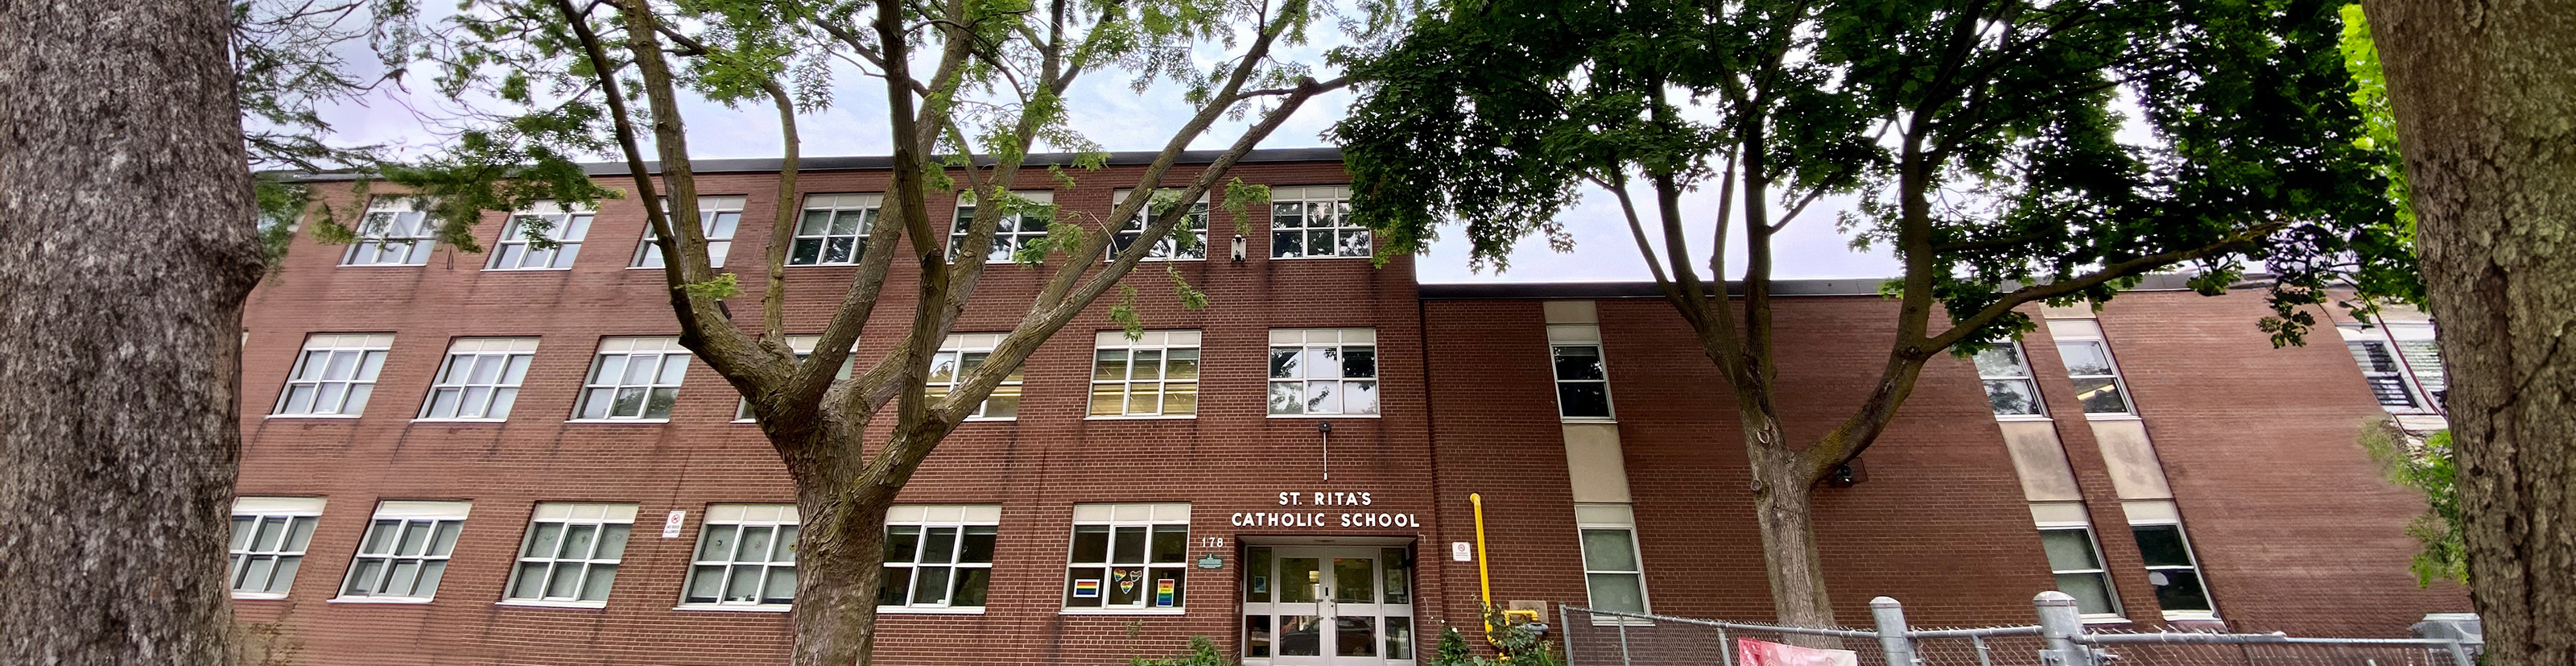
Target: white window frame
<point>509,359</point>
<point>1167,249</point>
<point>366,352</point>
<point>603,519</point>
<point>2069,332</point>
<point>1005,243</point>
<point>2412,349</point>
<point>431,519</point>
<point>1561,336</point>
<point>923,519</point>
<point>804,347</point>
<point>664,378</point>
<point>2161,514</point>
<point>285,554</point>
<point>864,206</point>
<point>780,520</point>
<point>1165,344</point>
<point>2027,379</point>
<point>1314,344</point>
<point>1611,518</point>
<point>1150,518</point>
<point>395,231</point>
<point>719,218</point>
<point>2071,517</point>
<point>1330,201</point>
<point>953,354</point>
<point>569,224</point>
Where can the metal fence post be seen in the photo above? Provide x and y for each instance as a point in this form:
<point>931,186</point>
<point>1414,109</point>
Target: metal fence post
<point>2060,623</point>
<point>1726,648</point>
<point>1565,631</point>
<point>2460,655</point>
<point>1891,631</point>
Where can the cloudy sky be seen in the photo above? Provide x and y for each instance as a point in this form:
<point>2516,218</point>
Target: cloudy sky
<point>1105,108</point>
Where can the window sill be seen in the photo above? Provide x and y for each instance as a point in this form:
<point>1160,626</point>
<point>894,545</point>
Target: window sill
<point>907,610</point>
<point>744,421</point>
<point>1588,419</point>
<point>1121,611</point>
<point>461,421</point>
<point>413,601</point>
<point>1324,416</point>
<point>2105,619</point>
<point>2027,418</point>
<point>2113,417</point>
<point>259,595</point>
<point>527,270</point>
<point>1162,260</point>
<point>541,603</point>
<point>656,268</point>
<point>633,421</point>
<point>796,266</point>
<point>383,265</point>
<point>2203,616</point>
<point>1372,256</point>
<point>986,419</point>
<point>1144,417</point>
<point>745,608</point>
<point>335,417</point>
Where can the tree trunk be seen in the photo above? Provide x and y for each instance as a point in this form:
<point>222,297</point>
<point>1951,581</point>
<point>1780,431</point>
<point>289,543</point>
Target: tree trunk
<point>1781,509</point>
<point>126,249</point>
<point>840,562</point>
<point>2485,94</point>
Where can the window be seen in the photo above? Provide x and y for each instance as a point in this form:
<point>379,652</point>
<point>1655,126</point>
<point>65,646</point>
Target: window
<point>1323,371</point>
<point>395,231</point>
<point>2380,369</point>
<point>717,219</point>
<point>1128,556</point>
<point>804,347</point>
<point>405,551</point>
<point>571,553</point>
<point>479,380</point>
<point>2075,558</point>
<point>2171,568</point>
<point>1611,572</point>
<point>1156,375</point>
<point>269,535</point>
<point>562,225</point>
<point>1582,381</point>
<point>939,557</point>
<point>746,557</point>
<point>1015,231</point>
<point>1170,248</point>
<point>633,378</point>
<point>2424,358</point>
<point>834,229</point>
<point>1314,222</point>
<point>2097,382</point>
<point>2009,387</point>
<point>959,357</point>
<point>335,375</point>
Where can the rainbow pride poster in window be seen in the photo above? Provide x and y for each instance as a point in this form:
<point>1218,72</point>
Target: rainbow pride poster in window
<point>1163,592</point>
<point>1086,588</point>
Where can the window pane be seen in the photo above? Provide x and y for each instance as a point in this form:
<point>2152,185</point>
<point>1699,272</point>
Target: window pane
<point>1299,579</point>
<point>1617,592</point>
<point>1608,550</point>
<point>612,542</point>
<point>2011,397</point>
<point>978,545</point>
<point>1090,543</point>
<point>2092,592</point>
<point>1108,364</point>
<point>2068,549</point>
<point>1399,577</point>
<point>1359,362</point>
<point>2101,396</point>
<point>1287,243</point>
<point>1322,363</point>
<point>896,588</point>
<point>577,542</point>
<point>2084,358</point>
<point>530,583</point>
<point>972,586</point>
<point>543,541</point>
<point>1108,399</point>
<point>1182,365</point>
<point>445,541</point>
<point>1301,635</point>
<point>704,582</point>
<point>1256,636</point>
<point>930,585</point>
<point>1354,580</point>
<point>565,581</point>
<point>1256,575</point>
<point>1171,544</point>
<point>242,527</point>
<point>1322,397</point>
<point>716,543</point>
<point>2162,545</point>
<point>1584,399</point>
<point>1399,638</point>
<point>781,587</point>
<point>594,587</point>
<point>1126,586</point>
<point>1283,362</point>
<point>2002,360</point>
<point>1127,546</point>
<point>1181,399</point>
<point>300,534</point>
<point>1578,362</point>
<point>1287,398</point>
<point>2179,590</point>
<point>938,544</point>
<point>1354,636</point>
<point>1082,587</point>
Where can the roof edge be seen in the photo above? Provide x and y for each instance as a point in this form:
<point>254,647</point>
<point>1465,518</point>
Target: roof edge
<point>1468,291</point>
<point>884,162</point>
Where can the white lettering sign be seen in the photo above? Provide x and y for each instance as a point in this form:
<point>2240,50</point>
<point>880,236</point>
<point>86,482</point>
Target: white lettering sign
<point>671,526</point>
<point>1461,551</point>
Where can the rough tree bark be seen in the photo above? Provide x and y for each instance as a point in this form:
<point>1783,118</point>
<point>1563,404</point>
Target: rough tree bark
<point>2485,94</point>
<point>126,249</point>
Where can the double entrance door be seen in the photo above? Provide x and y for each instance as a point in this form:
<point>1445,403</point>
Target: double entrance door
<point>1334,606</point>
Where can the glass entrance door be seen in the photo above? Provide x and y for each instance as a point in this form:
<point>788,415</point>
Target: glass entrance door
<point>1305,606</point>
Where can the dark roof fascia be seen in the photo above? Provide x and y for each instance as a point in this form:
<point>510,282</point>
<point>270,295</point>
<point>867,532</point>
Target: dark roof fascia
<point>1820,287</point>
<point>883,162</point>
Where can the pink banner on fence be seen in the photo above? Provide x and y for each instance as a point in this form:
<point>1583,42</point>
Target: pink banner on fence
<point>1751,652</point>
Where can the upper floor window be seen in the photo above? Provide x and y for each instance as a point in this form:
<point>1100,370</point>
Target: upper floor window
<point>2401,363</point>
<point>1612,574</point>
<point>405,551</point>
<point>959,357</point>
<point>2074,558</point>
<point>746,557</point>
<point>560,225</point>
<point>1129,556</point>
<point>1582,381</point>
<point>1155,375</point>
<point>395,231</point>
<point>571,553</point>
<point>2380,369</point>
<point>1323,371</point>
<point>718,217</point>
<point>269,536</point>
<point>2009,387</point>
<point>939,557</point>
<point>633,378</point>
<point>833,230</point>
<point>480,379</point>
<point>1016,230</point>
<point>335,375</point>
<point>1172,247</point>
<point>1314,222</point>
